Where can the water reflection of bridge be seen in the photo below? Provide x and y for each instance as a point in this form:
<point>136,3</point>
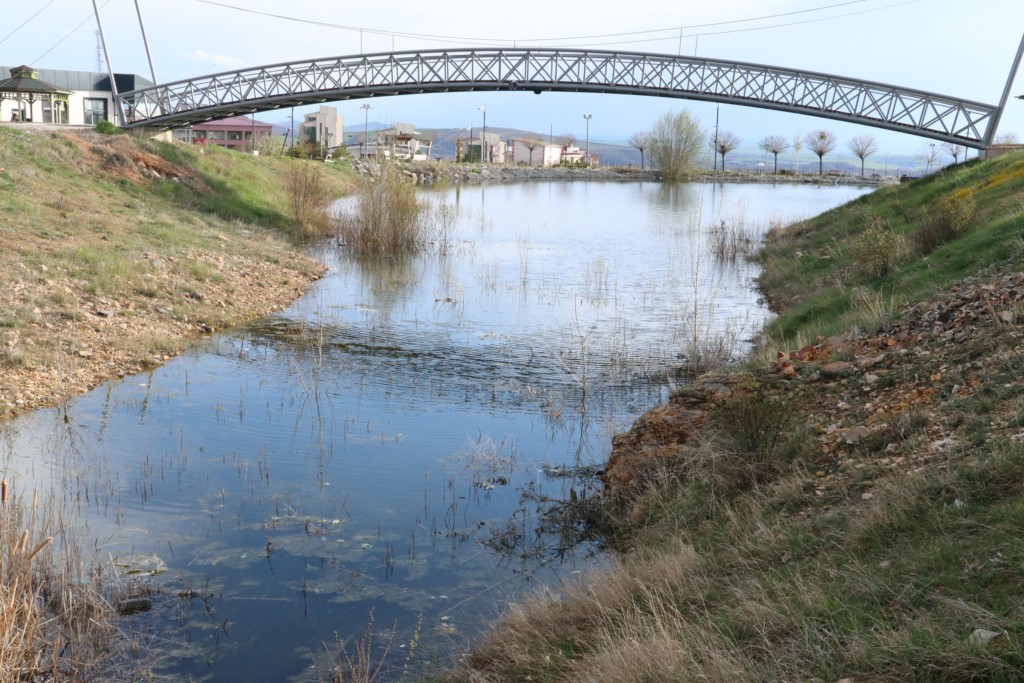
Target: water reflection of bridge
<point>940,117</point>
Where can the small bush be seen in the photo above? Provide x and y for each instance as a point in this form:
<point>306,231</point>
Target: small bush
<point>108,128</point>
<point>950,218</point>
<point>878,249</point>
<point>754,426</point>
<point>310,199</point>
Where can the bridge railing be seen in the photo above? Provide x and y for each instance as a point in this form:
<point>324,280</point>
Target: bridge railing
<point>247,91</point>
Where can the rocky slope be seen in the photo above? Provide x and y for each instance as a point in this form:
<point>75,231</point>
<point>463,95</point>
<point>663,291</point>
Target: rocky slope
<point>945,377</point>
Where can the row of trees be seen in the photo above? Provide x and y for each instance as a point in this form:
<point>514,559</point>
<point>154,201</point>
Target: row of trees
<point>675,142</point>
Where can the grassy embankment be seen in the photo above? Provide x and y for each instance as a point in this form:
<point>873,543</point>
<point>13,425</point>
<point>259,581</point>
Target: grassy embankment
<point>114,253</point>
<point>857,525</point>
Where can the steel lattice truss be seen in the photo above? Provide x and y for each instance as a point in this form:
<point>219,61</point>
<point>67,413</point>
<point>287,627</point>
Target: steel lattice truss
<point>182,103</point>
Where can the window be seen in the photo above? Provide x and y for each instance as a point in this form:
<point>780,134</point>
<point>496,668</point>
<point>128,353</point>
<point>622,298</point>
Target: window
<point>95,110</point>
<point>47,111</point>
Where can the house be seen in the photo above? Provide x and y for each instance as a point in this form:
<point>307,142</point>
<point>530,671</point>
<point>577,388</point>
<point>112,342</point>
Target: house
<point>574,156</point>
<point>322,129</point>
<point>535,152</point>
<point>235,132</point>
<point>76,98</point>
<point>402,141</point>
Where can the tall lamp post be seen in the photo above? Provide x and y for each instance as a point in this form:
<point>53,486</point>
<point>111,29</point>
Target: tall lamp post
<point>483,138</point>
<point>366,128</point>
<point>588,117</point>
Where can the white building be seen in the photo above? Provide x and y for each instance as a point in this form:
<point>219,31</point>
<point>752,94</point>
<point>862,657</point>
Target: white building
<point>402,141</point>
<point>323,129</point>
<point>79,98</point>
<point>542,154</point>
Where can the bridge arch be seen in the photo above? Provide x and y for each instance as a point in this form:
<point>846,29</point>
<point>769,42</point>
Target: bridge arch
<point>930,115</point>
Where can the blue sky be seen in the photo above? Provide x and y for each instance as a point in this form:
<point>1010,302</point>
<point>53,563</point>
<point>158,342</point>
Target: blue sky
<point>953,48</point>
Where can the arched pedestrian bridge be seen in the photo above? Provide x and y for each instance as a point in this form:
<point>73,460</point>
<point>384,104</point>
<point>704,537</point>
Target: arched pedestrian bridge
<point>940,117</point>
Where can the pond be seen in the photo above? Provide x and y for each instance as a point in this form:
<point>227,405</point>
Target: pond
<point>378,458</point>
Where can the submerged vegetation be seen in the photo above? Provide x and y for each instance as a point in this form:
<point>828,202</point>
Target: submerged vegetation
<point>848,510</point>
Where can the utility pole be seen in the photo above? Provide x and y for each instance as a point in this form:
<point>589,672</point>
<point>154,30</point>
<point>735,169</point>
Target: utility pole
<point>366,127</point>
<point>484,157</point>
<point>588,117</point>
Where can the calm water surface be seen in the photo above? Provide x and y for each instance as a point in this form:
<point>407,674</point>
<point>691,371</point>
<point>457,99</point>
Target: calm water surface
<point>378,455</point>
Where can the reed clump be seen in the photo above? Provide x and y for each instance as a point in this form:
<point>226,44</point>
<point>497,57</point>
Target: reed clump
<point>55,623</point>
<point>388,219</point>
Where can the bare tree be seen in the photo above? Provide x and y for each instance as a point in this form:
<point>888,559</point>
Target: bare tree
<point>531,143</point>
<point>567,140</point>
<point>774,145</point>
<point>675,141</point>
<point>954,151</point>
<point>862,147</point>
<point>640,141</point>
<point>930,155</point>
<point>726,142</point>
<point>1008,138</point>
<point>821,142</point>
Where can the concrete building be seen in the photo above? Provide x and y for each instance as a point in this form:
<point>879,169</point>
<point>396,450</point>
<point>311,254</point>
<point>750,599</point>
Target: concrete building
<point>542,154</point>
<point>78,98</point>
<point>322,129</point>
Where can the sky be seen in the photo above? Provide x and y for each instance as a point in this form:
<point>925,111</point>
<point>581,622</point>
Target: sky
<point>956,48</point>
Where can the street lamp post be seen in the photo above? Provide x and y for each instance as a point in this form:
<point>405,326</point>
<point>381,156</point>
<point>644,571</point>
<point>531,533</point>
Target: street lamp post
<point>588,117</point>
<point>483,138</point>
<point>366,128</point>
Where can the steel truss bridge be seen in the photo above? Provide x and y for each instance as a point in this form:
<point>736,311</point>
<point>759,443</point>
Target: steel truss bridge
<point>939,117</point>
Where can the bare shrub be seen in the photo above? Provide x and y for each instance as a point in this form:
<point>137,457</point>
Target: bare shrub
<point>878,249</point>
<point>310,199</point>
<point>948,219</point>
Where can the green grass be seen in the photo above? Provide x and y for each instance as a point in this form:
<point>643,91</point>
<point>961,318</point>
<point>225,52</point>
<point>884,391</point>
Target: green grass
<point>809,274</point>
<point>889,589</point>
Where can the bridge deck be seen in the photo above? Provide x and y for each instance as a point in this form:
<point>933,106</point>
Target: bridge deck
<point>944,118</point>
